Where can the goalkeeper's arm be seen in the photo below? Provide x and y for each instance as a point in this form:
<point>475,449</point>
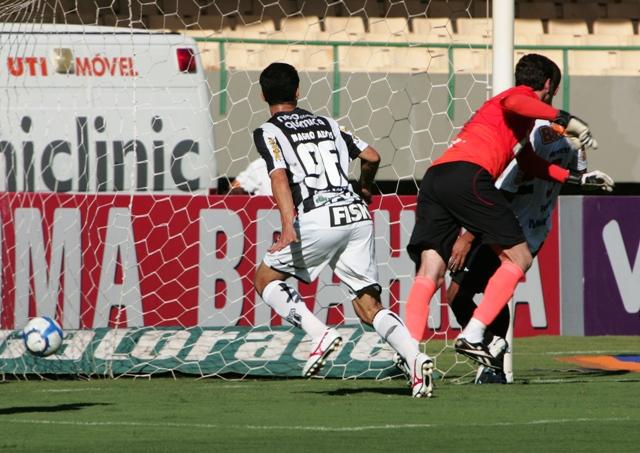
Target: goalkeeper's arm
<point>565,122</point>
<point>591,180</point>
<point>369,162</point>
<point>534,165</point>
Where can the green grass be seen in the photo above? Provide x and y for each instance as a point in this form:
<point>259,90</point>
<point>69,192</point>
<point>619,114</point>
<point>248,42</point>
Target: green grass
<point>552,406</point>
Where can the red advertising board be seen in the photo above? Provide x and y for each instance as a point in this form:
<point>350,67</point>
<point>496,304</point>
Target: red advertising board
<point>129,260</point>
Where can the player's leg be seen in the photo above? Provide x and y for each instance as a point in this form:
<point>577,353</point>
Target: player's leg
<point>515,261</point>
<point>303,260</point>
<point>480,265</point>
<point>484,211</point>
<point>357,268</point>
<point>498,292</point>
<point>433,233</point>
<point>286,301</point>
<point>461,303</point>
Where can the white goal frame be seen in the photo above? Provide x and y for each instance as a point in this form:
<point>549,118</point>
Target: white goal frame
<point>502,78</point>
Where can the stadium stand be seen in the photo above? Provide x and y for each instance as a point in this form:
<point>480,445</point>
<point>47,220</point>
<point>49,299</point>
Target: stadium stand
<point>395,26</point>
<point>543,10</point>
<point>374,59</point>
<point>472,61</point>
<point>538,22</point>
<point>594,63</point>
<point>584,11</point>
<point>575,27</point>
<point>623,10</point>
<point>254,27</point>
<point>423,26</point>
<point>474,26</point>
<point>344,28</point>
<point>305,58</point>
<point>613,27</point>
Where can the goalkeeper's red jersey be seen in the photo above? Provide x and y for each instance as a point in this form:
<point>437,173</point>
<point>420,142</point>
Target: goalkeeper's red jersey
<point>498,129</point>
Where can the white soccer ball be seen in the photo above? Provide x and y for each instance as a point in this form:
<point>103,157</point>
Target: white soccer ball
<point>42,336</point>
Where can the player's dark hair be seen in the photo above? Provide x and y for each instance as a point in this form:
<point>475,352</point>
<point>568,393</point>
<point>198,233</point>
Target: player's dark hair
<point>556,77</point>
<point>279,83</point>
<point>533,70</point>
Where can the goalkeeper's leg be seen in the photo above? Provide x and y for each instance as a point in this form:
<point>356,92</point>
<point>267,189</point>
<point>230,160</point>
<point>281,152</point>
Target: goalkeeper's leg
<point>463,306</point>
<point>482,263</point>
<point>515,261</point>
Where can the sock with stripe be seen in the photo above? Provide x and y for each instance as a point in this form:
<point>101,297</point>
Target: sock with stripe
<point>287,303</point>
<point>392,330</point>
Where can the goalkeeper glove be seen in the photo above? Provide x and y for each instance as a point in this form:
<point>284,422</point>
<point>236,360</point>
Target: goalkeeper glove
<point>574,126</point>
<point>592,180</point>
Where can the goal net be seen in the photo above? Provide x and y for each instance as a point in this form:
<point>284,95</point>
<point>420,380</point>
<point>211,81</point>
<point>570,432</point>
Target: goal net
<point>123,123</point>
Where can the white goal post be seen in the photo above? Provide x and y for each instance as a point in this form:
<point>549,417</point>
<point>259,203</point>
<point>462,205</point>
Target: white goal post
<point>502,78</point>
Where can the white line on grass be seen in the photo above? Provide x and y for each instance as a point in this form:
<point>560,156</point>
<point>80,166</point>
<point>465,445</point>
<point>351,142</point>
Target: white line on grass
<point>316,428</point>
<point>70,390</point>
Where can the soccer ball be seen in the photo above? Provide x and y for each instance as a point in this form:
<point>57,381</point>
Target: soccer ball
<point>42,336</point>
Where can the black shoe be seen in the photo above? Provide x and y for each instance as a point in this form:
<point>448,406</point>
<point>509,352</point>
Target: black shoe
<point>490,376</point>
<point>478,352</point>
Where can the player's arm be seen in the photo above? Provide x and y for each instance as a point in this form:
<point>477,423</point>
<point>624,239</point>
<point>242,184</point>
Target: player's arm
<point>284,201</point>
<point>369,160</point>
<point>460,251</point>
<point>566,123</point>
<point>269,149</point>
<point>529,106</point>
<point>535,165</point>
<point>369,163</point>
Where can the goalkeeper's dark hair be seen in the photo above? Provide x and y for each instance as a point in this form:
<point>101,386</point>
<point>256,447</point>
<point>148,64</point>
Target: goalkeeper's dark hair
<point>279,83</point>
<point>533,70</point>
<point>556,77</point>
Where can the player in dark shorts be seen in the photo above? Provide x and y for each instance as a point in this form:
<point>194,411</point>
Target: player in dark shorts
<point>458,191</point>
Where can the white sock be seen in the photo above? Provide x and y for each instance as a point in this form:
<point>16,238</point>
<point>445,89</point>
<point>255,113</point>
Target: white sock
<point>286,301</point>
<point>474,331</point>
<point>392,330</point>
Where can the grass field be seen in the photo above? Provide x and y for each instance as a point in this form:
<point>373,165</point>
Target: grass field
<point>552,406</point>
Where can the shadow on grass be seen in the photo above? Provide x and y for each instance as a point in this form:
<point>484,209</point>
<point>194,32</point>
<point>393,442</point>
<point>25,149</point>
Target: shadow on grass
<point>56,408</point>
<point>403,391</point>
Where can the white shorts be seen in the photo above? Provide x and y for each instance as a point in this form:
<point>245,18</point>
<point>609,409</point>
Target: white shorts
<point>338,235</point>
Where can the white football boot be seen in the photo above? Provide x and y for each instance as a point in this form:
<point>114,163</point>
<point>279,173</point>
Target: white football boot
<point>422,376</point>
<point>497,347</point>
<point>328,342</point>
<point>403,366</point>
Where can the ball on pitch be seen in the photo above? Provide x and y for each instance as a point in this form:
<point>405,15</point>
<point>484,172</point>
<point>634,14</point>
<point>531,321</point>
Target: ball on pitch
<point>42,336</point>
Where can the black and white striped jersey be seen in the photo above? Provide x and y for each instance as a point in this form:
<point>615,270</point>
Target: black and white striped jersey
<point>312,149</point>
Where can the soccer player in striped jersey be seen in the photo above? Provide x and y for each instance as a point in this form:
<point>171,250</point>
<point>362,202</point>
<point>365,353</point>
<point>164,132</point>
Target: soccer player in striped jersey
<point>324,222</point>
<point>458,191</point>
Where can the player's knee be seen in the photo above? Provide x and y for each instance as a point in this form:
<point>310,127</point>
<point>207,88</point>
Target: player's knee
<point>262,279</point>
<point>367,303</point>
<point>524,259</point>
<point>518,255</point>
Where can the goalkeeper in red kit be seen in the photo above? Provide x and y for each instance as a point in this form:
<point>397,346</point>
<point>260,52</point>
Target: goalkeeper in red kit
<point>458,191</point>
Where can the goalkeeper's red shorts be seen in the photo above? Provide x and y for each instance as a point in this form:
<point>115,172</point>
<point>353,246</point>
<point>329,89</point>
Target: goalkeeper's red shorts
<point>460,194</point>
